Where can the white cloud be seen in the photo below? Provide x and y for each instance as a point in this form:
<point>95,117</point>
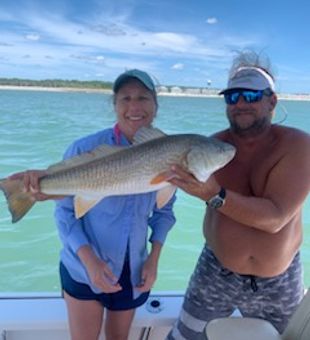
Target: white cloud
<point>211,21</point>
<point>33,37</point>
<point>112,35</point>
<point>100,58</point>
<point>87,58</point>
<point>178,66</point>
<point>105,46</point>
<point>110,29</point>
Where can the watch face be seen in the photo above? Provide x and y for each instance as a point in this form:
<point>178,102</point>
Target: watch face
<point>216,202</point>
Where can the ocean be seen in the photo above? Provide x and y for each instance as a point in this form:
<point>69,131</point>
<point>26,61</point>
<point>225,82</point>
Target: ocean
<point>37,126</point>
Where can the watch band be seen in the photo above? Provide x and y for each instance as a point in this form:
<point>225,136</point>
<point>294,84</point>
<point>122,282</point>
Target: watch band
<point>218,200</point>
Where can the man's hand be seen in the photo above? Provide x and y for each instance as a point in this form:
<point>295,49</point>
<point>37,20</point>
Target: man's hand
<point>187,182</point>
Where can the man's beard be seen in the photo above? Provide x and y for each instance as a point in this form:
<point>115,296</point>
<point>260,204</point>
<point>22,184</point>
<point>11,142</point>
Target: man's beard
<point>256,128</point>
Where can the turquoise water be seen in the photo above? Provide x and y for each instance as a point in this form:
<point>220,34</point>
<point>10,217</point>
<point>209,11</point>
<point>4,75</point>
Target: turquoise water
<point>35,129</point>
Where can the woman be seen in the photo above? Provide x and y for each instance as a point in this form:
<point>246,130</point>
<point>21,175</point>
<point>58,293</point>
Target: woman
<point>105,266</point>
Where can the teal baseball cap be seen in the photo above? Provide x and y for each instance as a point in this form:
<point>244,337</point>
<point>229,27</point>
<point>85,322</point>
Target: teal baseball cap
<point>142,76</point>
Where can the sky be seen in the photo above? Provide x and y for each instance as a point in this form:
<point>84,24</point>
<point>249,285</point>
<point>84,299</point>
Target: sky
<point>179,42</point>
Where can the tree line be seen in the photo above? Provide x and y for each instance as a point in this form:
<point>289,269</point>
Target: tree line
<point>92,84</point>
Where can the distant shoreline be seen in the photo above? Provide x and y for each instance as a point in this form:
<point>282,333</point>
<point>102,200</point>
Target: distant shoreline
<point>212,94</point>
<point>53,89</point>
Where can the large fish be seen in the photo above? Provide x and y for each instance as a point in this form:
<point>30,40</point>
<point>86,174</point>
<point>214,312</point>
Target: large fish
<point>109,170</point>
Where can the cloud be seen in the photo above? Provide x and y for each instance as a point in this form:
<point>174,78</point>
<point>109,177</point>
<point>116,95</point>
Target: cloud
<point>102,43</point>
<point>94,59</point>
<point>112,34</point>
<point>178,66</point>
<point>211,21</point>
<point>109,29</point>
<point>33,37</point>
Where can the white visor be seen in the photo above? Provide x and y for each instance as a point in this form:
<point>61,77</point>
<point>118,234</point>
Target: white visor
<point>251,78</point>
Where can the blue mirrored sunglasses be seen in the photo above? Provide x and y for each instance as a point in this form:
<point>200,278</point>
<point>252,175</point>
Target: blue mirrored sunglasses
<point>249,96</point>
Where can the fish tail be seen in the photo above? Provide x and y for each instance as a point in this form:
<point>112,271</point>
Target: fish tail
<point>19,201</point>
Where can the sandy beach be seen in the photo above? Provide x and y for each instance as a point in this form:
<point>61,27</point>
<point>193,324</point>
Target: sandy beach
<point>206,93</point>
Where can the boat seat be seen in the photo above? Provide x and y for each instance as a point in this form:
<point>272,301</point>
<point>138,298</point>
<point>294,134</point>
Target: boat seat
<point>236,328</point>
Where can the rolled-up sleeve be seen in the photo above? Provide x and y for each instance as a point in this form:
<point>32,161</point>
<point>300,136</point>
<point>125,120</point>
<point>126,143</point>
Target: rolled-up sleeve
<point>161,221</point>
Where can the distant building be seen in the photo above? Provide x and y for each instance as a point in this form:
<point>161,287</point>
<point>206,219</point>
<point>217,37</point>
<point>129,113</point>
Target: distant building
<point>209,91</point>
<point>192,91</point>
<point>176,89</point>
<point>162,89</point>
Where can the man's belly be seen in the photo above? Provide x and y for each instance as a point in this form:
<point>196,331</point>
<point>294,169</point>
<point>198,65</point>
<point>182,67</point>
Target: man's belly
<point>249,251</point>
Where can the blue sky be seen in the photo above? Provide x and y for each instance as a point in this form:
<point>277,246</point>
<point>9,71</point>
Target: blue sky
<point>179,42</point>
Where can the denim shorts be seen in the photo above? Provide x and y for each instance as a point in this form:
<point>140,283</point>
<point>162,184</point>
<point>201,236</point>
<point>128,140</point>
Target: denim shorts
<point>119,301</point>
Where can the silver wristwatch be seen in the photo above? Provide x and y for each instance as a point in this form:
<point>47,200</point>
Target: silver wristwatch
<point>218,200</point>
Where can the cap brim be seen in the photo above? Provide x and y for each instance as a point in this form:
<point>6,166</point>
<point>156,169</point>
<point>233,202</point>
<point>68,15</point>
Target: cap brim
<point>237,89</point>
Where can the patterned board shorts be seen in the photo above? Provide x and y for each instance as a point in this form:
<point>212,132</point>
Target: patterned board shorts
<point>214,292</point>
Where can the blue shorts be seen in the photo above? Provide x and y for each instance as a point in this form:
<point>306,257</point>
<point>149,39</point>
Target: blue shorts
<point>119,301</point>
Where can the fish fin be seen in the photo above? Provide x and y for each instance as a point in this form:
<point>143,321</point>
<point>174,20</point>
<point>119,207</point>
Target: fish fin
<point>19,201</point>
<point>86,157</point>
<point>82,205</point>
<point>162,177</point>
<point>202,177</point>
<point>145,134</point>
<point>105,150</point>
<point>196,165</point>
<point>164,195</point>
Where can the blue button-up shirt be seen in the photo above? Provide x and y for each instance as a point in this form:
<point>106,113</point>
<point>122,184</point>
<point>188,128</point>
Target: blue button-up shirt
<point>115,225</point>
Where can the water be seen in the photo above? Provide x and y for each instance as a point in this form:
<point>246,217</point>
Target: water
<point>37,126</point>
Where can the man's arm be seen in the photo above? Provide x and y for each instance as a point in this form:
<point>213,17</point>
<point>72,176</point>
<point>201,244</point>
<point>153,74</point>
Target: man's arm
<point>286,188</point>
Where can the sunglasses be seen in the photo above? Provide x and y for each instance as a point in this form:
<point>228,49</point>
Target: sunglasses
<point>249,96</point>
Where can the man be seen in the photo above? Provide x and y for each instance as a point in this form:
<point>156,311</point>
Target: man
<point>252,226</point>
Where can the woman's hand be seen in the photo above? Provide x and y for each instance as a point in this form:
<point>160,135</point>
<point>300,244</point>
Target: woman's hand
<point>31,179</point>
<point>99,272</point>
<point>148,275</point>
<point>149,269</point>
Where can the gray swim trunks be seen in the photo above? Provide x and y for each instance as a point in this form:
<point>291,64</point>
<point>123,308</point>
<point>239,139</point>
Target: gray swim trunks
<point>214,292</point>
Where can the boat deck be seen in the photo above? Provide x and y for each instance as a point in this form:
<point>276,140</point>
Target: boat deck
<point>33,317</point>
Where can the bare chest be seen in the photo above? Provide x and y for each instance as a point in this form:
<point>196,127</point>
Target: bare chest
<point>248,176</point>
